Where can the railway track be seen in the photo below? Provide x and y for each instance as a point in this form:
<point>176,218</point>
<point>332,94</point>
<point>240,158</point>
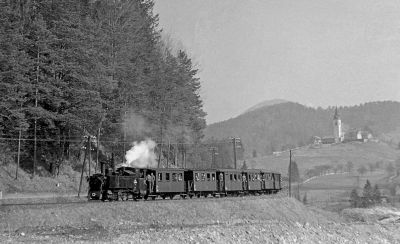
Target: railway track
<point>140,201</point>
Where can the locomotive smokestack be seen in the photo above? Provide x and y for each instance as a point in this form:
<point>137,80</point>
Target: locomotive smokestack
<point>102,165</point>
<point>112,163</point>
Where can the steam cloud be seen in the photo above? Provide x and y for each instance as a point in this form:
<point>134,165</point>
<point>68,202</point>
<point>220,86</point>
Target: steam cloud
<point>141,155</point>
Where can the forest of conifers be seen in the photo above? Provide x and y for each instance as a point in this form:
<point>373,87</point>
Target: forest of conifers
<point>74,68</point>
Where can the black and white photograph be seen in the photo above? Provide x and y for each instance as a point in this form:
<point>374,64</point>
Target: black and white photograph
<point>200,121</point>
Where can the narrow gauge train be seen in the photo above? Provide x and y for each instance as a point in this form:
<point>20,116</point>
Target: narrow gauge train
<point>130,183</point>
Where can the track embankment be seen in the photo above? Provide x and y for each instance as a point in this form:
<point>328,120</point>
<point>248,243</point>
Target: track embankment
<point>222,220</point>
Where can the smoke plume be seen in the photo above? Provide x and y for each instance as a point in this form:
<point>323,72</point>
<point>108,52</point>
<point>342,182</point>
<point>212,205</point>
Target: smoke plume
<point>141,155</point>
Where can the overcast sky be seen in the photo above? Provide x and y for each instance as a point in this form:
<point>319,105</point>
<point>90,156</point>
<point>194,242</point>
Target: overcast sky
<point>315,52</point>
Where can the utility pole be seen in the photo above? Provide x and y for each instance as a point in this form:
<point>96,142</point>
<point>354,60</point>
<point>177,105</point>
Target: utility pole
<point>19,152</point>
<point>35,122</point>
<point>125,128</point>
<point>97,151</point>
<point>213,156</point>
<point>19,149</point>
<point>234,141</point>
<point>90,151</point>
<point>83,167</point>
<point>169,149</point>
<point>290,173</point>
<point>161,146</point>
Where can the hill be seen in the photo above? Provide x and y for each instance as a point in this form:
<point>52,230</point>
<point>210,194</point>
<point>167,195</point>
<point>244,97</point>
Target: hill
<point>266,104</point>
<point>287,125</point>
<point>66,183</point>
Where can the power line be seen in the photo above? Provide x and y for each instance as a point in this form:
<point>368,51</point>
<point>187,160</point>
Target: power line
<point>107,141</point>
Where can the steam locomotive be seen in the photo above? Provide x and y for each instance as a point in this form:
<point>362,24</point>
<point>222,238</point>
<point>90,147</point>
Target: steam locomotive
<point>128,183</point>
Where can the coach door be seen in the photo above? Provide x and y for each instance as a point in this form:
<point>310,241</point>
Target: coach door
<point>221,181</point>
<point>245,182</point>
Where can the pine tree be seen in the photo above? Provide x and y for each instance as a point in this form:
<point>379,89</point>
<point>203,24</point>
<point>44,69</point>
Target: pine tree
<point>362,170</point>
<point>305,198</point>
<point>367,194</point>
<point>354,199</point>
<point>376,194</point>
<point>349,166</point>
<point>244,166</point>
<point>72,67</point>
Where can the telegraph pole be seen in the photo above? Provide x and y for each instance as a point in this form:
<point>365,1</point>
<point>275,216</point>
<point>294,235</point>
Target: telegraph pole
<point>90,151</point>
<point>83,166</point>
<point>169,149</point>
<point>97,150</point>
<point>234,141</point>
<point>290,173</point>
<point>213,156</point>
<point>19,151</point>
<point>35,122</point>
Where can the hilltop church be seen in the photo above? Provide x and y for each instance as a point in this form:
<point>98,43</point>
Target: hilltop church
<point>340,136</point>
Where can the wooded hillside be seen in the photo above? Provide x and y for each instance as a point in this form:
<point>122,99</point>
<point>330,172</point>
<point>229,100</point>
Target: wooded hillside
<point>70,68</point>
<point>287,125</point>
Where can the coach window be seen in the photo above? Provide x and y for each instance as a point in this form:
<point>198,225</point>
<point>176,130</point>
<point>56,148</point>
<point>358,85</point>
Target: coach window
<point>213,177</point>
<point>231,177</point>
<point>173,176</point>
<point>159,176</point>
<point>180,177</point>
<point>208,177</point>
<point>203,176</point>
<point>167,176</point>
<point>196,176</point>
<point>234,177</point>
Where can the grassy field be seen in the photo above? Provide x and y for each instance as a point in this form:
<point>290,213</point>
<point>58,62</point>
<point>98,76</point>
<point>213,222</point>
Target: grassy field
<point>307,158</point>
<point>254,219</point>
<point>332,191</point>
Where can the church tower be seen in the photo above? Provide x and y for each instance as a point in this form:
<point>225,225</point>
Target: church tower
<point>337,127</point>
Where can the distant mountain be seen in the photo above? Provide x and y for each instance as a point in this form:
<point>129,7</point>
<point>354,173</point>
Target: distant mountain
<point>266,104</point>
<point>287,125</point>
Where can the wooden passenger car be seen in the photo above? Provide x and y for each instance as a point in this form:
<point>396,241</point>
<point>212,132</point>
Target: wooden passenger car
<point>253,180</point>
<point>277,182</point>
<point>201,182</point>
<point>267,181</point>
<point>232,181</point>
<point>169,182</point>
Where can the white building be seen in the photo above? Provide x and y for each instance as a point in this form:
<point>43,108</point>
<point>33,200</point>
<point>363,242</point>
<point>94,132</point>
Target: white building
<point>337,127</point>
